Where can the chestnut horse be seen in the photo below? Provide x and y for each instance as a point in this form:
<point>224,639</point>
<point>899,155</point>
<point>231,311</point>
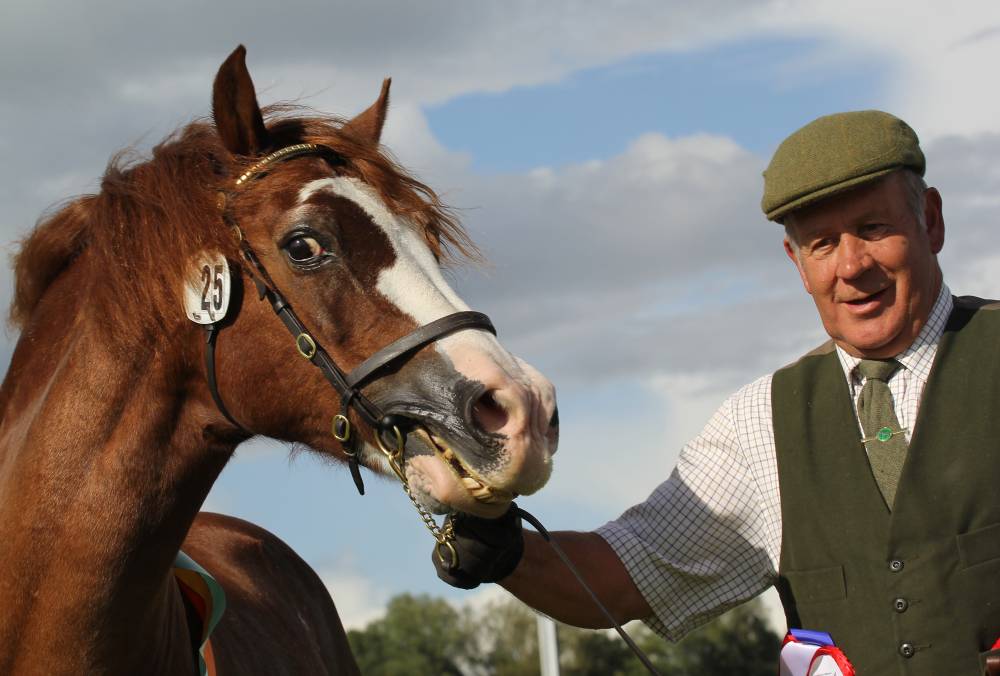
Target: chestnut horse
<point>110,436</point>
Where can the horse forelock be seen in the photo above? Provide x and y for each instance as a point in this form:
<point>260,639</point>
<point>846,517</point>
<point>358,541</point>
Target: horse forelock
<point>151,218</point>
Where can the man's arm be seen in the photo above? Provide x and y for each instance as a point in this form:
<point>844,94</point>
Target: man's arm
<point>707,538</point>
<point>543,581</point>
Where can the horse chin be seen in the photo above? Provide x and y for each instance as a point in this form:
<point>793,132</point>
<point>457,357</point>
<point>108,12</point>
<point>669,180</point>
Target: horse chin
<point>442,483</point>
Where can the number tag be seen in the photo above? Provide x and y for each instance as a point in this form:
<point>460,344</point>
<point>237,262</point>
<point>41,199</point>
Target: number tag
<point>206,294</point>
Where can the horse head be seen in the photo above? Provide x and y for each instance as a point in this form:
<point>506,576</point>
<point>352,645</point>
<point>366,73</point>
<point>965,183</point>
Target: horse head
<point>333,227</point>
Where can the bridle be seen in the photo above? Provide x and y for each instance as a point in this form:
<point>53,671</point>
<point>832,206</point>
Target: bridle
<point>390,431</point>
<point>349,386</point>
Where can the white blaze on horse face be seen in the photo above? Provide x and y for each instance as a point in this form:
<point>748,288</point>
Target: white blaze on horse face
<point>415,285</point>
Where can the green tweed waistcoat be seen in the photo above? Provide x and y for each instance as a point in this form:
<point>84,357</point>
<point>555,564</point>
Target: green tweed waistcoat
<point>914,591</point>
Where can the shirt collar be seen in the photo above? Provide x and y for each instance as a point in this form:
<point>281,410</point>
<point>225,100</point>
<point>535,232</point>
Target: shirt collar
<point>919,356</point>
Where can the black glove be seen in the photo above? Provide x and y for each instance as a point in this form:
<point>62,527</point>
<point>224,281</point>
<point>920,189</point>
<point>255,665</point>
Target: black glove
<point>488,550</point>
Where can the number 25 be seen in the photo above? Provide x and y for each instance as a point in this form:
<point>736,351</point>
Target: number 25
<point>213,280</point>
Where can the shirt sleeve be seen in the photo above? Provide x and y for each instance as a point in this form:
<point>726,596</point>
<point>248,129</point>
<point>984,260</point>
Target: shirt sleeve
<point>703,541</point>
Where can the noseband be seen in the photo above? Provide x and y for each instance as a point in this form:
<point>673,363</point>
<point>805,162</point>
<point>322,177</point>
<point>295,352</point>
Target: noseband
<point>390,431</point>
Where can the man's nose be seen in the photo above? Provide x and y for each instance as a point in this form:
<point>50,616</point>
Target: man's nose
<point>853,257</point>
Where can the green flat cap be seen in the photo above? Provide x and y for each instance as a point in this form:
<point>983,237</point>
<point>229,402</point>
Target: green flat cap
<point>834,153</point>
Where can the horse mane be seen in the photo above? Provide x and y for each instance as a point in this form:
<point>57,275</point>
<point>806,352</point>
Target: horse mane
<point>151,218</point>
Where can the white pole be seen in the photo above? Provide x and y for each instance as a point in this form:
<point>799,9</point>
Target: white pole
<point>548,647</point>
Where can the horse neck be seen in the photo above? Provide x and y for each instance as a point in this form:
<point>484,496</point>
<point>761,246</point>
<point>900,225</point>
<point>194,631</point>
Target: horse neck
<point>103,465</point>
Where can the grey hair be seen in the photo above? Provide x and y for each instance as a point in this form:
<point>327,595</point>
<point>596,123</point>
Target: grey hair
<point>914,185</point>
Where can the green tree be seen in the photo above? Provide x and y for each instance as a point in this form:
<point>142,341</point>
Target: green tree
<point>418,636</point>
<point>739,642</point>
<point>592,653</point>
<point>421,636</point>
<point>508,638</point>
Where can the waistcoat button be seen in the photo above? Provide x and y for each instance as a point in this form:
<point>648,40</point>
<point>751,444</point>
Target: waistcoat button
<point>900,605</point>
<point>895,565</point>
<point>906,650</point>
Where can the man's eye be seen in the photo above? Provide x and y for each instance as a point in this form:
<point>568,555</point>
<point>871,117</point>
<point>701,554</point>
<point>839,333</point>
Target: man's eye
<point>822,245</point>
<point>873,230</point>
<point>303,249</point>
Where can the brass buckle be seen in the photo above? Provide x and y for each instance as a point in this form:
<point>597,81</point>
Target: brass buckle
<point>309,351</point>
<point>345,424</point>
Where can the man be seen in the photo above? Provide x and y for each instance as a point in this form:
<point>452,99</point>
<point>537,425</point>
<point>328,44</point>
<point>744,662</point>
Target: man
<point>799,479</point>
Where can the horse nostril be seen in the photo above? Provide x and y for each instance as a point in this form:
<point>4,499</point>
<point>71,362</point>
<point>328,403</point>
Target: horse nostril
<point>554,420</point>
<point>488,413</point>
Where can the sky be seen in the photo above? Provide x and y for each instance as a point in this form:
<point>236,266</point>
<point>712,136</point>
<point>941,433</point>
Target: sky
<point>606,157</point>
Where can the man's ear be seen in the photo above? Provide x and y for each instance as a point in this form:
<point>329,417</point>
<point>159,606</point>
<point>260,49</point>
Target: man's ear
<point>793,255</point>
<point>934,217</point>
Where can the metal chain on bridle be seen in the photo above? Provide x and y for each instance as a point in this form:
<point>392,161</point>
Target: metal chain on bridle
<point>349,386</point>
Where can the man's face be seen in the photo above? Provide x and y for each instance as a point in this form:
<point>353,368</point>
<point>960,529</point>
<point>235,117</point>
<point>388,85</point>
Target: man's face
<point>870,265</point>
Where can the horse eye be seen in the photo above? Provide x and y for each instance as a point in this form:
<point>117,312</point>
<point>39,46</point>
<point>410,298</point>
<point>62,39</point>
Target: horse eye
<point>303,249</point>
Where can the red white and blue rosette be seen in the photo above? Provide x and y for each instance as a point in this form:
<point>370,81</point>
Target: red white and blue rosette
<point>812,653</point>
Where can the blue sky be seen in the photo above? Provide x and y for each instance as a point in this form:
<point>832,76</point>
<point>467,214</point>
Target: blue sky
<point>753,91</point>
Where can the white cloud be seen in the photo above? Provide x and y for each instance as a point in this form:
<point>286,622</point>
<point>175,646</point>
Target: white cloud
<point>359,598</point>
<point>981,276</point>
<point>626,222</point>
<point>944,54</point>
<point>437,49</point>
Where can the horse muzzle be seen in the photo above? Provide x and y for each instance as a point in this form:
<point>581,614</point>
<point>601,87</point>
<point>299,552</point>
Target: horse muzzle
<point>495,443</point>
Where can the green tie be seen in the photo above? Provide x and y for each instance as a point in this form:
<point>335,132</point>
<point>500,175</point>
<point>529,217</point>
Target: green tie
<point>884,439</point>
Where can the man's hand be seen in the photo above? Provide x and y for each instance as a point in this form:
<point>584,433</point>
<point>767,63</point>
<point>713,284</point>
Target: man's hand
<point>488,550</point>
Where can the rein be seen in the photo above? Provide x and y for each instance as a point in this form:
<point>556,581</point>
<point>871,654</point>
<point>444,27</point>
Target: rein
<point>349,386</point>
<point>636,650</point>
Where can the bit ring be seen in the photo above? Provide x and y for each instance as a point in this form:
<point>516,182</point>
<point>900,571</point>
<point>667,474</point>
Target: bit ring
<point>452,561</point>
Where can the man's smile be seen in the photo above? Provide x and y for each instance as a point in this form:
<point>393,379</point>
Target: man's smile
<point>864,304</point>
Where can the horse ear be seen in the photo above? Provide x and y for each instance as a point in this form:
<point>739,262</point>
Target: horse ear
<point>368,125</point>
<point>235,110</point>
